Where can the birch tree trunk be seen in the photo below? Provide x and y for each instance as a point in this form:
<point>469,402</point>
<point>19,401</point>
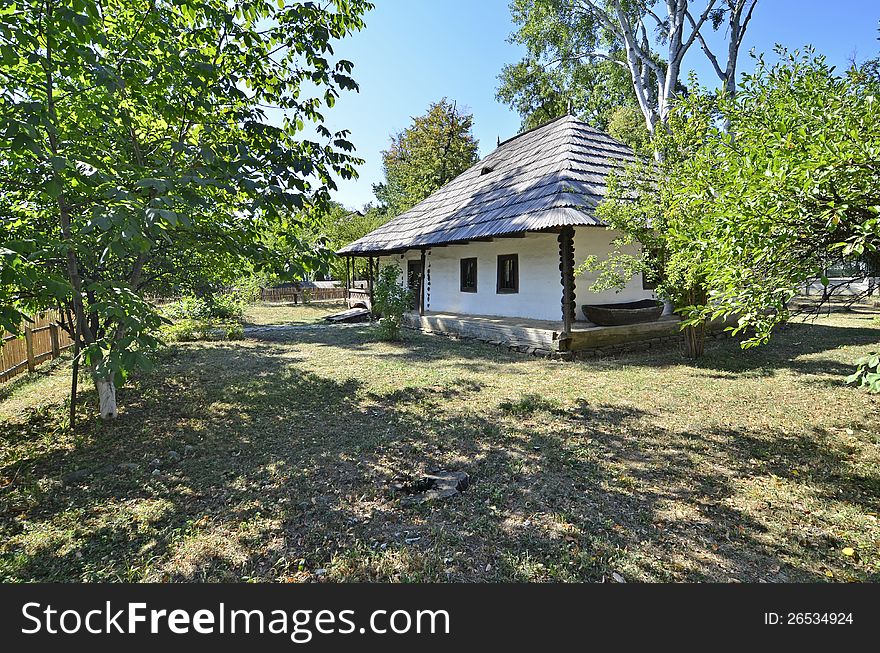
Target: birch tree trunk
<point>643,58</point>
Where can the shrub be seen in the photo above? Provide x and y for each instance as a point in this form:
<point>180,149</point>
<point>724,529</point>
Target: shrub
<point>225,306</point>
<point>191,330</point>
<point>228,306</point>
<point>392,299</point>
<point>183,330</point>
<point>233,331</point>
<point>186,308</point>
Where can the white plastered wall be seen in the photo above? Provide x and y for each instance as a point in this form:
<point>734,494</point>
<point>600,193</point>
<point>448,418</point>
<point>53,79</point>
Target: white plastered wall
<point>540,286</point>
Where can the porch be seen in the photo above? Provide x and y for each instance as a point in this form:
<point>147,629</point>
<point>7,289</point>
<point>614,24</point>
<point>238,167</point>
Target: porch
<point>542,337</point>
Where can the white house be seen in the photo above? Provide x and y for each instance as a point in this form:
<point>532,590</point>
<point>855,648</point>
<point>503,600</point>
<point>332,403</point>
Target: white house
<point>503,239</point>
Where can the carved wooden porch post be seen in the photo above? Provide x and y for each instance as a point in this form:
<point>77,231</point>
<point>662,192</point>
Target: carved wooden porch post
<point>347,284</point>
<point>566,268</point>
<point>422,286</point>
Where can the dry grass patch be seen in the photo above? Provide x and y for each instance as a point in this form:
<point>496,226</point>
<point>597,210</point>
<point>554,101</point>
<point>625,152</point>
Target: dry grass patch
<point>277,313</point>
<point>276,459</point>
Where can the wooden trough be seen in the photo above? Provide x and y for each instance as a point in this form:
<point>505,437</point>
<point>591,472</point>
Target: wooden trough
<point>647,310</point>
<point>350,315</point>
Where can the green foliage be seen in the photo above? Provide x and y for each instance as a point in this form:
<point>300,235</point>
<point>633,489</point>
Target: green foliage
<point>867,374</point>
<point>593,91</point>
<point>572,65</point>
<point>749,195</point>
<point>328,230</point>
<point>627,125</point>
<point>392,300</point>
<point>792,181</point>
<point>138,157</point>
<point>208,317</point>
<point>193,329</point>
<point>226,306</point>
<point>436,148</point>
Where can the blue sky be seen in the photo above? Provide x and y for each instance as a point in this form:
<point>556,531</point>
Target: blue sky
<point>414,52</point>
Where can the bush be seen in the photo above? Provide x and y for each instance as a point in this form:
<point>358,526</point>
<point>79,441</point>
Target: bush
<point>186,308</point>
<point>209,317</point>
<point>226,306</point>
<point>191,330</point>
<point>233,331</point>
<point>184,330</point>
<point>392,299</point>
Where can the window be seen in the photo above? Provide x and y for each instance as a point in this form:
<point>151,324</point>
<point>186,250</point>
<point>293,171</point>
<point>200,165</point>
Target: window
<point>508,273</point>
<point>468,275</point>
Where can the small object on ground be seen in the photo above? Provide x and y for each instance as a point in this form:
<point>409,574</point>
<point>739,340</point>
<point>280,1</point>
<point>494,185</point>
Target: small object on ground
<point>617,577</point>
<point>173,455</point>
<point>351,315</point>
<point>432,487</point>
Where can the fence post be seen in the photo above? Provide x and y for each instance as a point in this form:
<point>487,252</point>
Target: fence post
<point>53,334</point>
<point>29,345</point>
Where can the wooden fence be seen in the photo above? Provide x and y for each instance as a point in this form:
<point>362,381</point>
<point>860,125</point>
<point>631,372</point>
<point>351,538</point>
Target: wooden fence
<point>304,295</point>
<point>43,340</point>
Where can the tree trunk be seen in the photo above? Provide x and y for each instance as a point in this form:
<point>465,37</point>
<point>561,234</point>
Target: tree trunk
<point>695,336</point>
<point>106,396</point>
<point>694,340</point>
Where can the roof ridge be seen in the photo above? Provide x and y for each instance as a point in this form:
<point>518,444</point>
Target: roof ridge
<point>555,176</point>
<point>529,131</point>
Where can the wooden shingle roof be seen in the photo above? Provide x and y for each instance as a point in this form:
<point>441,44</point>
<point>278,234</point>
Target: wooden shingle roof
<point>551,176</point>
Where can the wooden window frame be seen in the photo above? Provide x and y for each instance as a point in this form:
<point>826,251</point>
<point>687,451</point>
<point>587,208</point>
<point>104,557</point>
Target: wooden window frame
<point>502,258</point>
<point>462,263</point>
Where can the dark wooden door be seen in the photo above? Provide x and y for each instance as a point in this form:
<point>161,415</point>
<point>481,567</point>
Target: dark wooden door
<point>414,281</point>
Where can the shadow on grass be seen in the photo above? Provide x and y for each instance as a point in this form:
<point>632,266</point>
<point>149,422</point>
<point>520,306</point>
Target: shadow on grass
<point>236,462</point>
<point>785,351</point>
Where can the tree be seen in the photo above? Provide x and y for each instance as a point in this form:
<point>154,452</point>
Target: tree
<point>647,39</point>
<point>733,219</point>
<point>328,229</point>
<point>136,139</point>
<point>793,181</point>
<point>644,206</point>
<point>436,148</point>
<point>626,125</point>
<point>590,90</point>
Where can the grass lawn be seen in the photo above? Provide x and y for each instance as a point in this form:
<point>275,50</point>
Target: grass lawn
<point>264,314</point>
<point>276,459</point>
